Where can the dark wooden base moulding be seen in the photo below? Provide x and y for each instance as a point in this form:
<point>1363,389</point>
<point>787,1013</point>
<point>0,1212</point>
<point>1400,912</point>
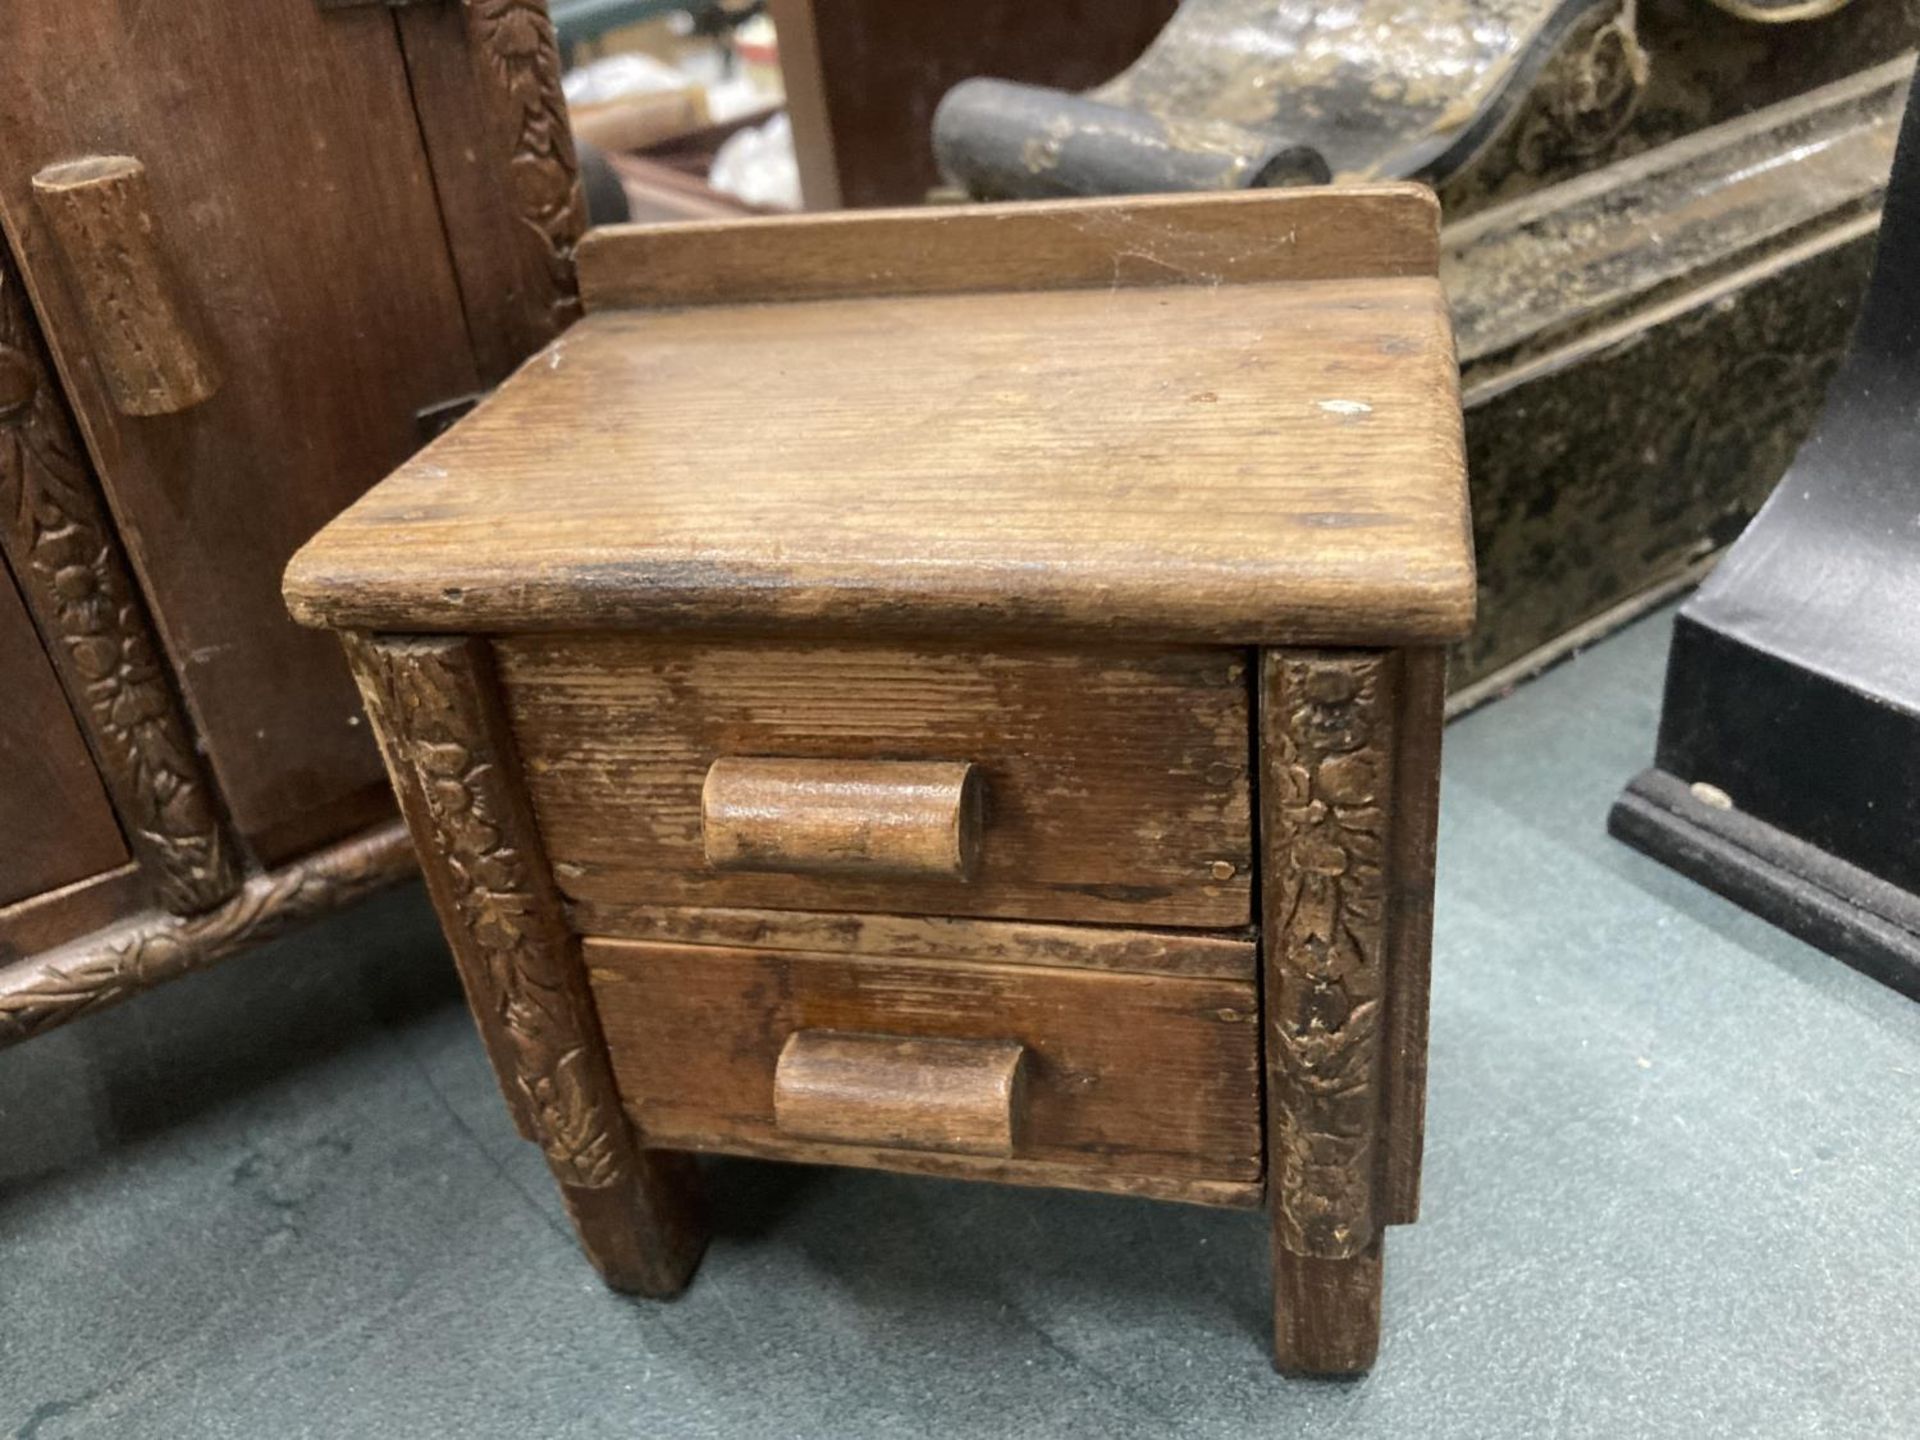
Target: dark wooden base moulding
<point>114,964</point>
<point>1787,769</point>
<point>1847,912</point>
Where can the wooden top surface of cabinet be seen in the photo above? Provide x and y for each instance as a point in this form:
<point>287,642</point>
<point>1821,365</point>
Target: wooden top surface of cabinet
<point>1221,420</point>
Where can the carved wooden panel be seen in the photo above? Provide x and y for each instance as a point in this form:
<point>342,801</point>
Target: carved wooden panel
<point>57,535</point>
<point>1326,805</point>
<point>514,949</point>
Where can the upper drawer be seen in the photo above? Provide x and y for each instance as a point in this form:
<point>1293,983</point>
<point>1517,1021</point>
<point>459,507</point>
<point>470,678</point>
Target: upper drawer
<point>1112,787</point>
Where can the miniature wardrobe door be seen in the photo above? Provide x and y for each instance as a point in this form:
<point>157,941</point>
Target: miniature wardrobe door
<point>229,228</point>
<point>58,826</point>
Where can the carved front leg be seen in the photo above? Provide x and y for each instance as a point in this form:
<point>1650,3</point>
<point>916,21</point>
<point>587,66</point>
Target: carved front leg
<point>447,747</point>
<point>1349,750</point>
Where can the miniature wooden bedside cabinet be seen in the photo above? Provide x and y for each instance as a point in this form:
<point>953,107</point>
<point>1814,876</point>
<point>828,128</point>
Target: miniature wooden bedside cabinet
<point>955,691</point>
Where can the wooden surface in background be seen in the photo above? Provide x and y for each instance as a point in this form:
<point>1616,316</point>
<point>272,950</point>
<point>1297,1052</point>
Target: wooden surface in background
<point>863,76</point>
<point>321,274</point>
<point>1187,459</point>
<point>58,827</point>
<point>1116,786</point>
<point>1126,1074</point>
<point>486,87</point>
<point>50,918</point>
<point>52,984</point>
<point>66,556</point>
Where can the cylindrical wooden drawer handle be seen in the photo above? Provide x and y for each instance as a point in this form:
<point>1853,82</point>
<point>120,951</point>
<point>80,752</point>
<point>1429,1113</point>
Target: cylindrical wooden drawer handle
<point>100,211</point>
<point>961,1096</point>
<point>843,817</point>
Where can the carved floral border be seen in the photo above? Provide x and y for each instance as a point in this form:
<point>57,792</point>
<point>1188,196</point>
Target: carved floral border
<point>1329,775</point>
<point>517,954</point>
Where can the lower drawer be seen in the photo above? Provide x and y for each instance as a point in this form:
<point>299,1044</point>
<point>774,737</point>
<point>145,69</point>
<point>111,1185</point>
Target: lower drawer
<point>1103,1079</point>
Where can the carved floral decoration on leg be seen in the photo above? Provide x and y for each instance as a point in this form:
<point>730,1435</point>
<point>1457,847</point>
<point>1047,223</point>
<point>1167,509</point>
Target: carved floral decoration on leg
<point>1329,773</point>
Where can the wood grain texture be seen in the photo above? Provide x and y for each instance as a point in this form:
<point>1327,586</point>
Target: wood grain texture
<point>1326,808</point>
<point>53,918</point>
<point>1117,782</point>
<point>114,964</point>
<point>902,818</point>
<point>1225,1194</point>
<point>326,364</point>
<point>1326,1313</point>
<point>436,714</point>
<point>100,211</point>
<point>1000,942</point>
<point>1228,464</point>
<point>58,827</point>
<point>1354,232</point>
<point>1127,1074</point>
<point>63,550</point>
<point>965,1097</point>
<point>1420,694</point>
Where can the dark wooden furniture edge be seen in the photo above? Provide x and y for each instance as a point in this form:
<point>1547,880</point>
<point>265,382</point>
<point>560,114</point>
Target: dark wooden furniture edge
<point>1223,1194</point>
<point>114,964</point>
<point>1847,912</point>
<point>1785,773</point>
<point>1212,954</point>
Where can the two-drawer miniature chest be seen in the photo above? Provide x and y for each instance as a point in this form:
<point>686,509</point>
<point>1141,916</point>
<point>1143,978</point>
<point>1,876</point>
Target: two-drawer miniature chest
<point>956,691</point>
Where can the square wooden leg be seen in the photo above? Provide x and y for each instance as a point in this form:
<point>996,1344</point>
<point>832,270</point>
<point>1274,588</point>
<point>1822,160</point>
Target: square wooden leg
<point>643,1233</point>
<point>1349,745</point>
<point>1326,1313</point>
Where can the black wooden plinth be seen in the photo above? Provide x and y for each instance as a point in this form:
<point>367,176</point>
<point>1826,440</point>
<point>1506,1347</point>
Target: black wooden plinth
<point>1787,774</point>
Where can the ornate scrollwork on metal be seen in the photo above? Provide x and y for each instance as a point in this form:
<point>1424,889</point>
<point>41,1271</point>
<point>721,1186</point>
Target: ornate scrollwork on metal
<point>1242,93</point>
